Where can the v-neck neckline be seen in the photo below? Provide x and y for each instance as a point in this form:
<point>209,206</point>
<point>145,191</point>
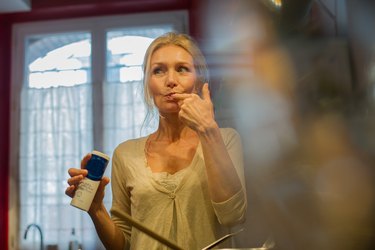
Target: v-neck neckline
<point>189,166</point>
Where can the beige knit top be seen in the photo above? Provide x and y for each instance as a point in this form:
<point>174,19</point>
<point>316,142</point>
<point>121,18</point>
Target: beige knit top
<point>176,206</point>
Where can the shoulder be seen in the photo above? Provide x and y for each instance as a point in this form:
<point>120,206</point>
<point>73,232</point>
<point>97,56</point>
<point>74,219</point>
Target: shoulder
<point>230,136</point>
<point>130,147</point>
<point>229,133</point>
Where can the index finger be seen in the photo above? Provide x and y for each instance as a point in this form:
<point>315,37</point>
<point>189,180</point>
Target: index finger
<point>76,171</point>
<point>85,159</point>
<point>182,96</point>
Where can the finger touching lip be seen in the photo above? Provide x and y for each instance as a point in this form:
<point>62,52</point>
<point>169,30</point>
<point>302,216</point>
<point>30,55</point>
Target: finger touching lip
<point>180,96</point>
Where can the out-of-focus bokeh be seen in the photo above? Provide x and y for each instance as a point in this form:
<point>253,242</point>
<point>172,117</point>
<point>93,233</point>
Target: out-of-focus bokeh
<point>296,78</point>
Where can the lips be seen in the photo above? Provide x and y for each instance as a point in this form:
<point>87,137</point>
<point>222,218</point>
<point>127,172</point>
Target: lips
<point>169,94</point>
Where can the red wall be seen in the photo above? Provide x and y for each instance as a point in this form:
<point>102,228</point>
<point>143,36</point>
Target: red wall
<point>60,9</point>
<point>4,129</point>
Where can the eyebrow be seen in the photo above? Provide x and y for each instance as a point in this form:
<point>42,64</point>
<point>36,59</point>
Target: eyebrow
<point>177,63</point>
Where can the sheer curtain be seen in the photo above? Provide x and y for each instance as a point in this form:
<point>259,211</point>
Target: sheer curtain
<point>56,132</point>
<point>124,112</point>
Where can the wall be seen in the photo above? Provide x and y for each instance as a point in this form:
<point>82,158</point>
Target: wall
<point>4,129</point>
<point>353,21</point>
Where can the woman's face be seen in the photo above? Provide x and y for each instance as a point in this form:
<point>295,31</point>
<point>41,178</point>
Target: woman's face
<point>171,71</point>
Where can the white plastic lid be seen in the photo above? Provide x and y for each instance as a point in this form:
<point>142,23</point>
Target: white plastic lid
<point>98,153</point>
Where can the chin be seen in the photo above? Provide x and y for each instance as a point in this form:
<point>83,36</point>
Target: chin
<point>167,106</point>
<point>169,111</point>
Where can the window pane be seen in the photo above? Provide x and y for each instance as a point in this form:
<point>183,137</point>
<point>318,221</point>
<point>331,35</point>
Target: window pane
<point>56,130</point>
<point>59,60</point>
<point>126,49</point>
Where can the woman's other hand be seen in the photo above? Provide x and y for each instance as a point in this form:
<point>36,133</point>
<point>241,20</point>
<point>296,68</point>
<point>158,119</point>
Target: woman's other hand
<point>77,175</point>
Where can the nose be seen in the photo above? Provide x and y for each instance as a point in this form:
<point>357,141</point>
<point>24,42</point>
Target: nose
<point>171,80</point>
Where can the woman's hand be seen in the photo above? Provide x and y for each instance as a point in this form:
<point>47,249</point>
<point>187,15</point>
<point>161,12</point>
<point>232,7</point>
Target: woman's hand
<point>77,175</point>
<point>197,112</point>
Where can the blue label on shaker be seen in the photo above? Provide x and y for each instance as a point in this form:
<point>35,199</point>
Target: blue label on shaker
<point>96,167</point>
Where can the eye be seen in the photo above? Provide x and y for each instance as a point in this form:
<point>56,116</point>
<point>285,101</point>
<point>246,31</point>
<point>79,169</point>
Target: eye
<point>183,69</point>
<point>157,71</point>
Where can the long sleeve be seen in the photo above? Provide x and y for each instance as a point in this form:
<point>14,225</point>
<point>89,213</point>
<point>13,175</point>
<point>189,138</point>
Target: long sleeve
<point>121,196</point>
<point>233,210</point>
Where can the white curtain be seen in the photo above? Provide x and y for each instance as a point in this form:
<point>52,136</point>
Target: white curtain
<point>56,131</point>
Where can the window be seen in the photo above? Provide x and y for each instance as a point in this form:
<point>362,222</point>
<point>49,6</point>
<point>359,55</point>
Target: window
<point>58,60</point>
<point>79,89</point>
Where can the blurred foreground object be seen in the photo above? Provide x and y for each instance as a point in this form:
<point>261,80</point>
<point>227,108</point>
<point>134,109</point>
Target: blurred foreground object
<point>309,184</point>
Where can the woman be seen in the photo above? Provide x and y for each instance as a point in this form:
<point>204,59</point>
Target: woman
<point>184,181</point>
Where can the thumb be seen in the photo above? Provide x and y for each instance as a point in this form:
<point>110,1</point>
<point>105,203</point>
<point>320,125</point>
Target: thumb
<point>104,182</point>
<point>206,92</point>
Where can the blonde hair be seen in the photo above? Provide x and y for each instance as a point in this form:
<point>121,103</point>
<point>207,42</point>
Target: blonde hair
<point>181,40</point>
